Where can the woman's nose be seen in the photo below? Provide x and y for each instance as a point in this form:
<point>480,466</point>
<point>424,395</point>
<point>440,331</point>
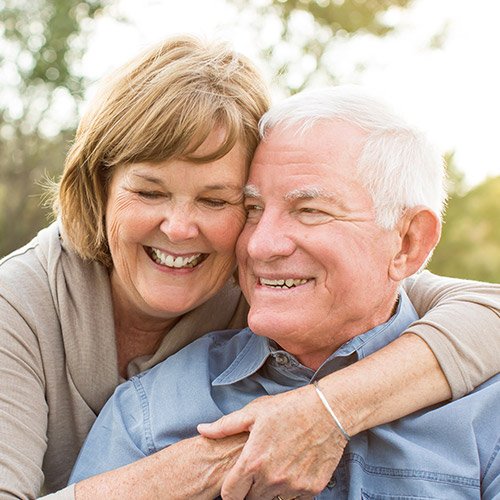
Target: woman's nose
<point>179,224</point>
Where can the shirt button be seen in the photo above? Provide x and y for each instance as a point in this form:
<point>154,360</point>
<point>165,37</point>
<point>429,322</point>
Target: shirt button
<point>282,359</point>
<point>331,483</point>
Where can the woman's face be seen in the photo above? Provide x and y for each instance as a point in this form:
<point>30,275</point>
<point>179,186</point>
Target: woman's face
<point>172,229</point>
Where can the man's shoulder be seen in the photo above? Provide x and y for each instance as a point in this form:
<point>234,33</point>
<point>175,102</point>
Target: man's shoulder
<point>475,415</point>
<point>171,398</point>
<point>485,397</point>
<point>209,355</point>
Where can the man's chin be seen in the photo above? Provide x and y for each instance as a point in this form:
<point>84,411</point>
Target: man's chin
<point>271,324</point>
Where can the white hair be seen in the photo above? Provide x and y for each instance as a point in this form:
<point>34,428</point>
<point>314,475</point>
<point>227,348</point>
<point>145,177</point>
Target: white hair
<point>398,165</point>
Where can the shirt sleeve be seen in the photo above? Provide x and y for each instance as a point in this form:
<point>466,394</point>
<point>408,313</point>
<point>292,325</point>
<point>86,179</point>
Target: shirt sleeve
<point>119,436</point>
<point>490,482</point>
<point>23,407</point>
<point>460,322</point>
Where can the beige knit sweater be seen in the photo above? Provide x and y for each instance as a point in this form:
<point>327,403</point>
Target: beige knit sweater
<point>58,361</point>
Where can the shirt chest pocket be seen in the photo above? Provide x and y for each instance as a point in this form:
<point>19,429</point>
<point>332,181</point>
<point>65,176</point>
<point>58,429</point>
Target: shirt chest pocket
<point>370,495</point>
<point>374,482</point>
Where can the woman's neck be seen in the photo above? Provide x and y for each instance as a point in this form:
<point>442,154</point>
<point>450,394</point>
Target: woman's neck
<point>136,333</point>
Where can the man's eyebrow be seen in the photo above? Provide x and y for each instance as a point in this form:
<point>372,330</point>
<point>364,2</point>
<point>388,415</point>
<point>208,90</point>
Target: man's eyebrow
<point>310,193</point>
<point>251,191</point>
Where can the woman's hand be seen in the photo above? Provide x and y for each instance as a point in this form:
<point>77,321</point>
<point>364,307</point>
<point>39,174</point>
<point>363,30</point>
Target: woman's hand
<point>292,450</point>
<point>294,446</point>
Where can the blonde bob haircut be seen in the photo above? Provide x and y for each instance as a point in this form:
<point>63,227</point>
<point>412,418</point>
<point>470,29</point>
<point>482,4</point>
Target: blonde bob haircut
<point>162,105</point>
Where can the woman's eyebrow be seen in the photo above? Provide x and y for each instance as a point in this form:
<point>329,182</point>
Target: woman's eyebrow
<point>221,187</point>
<point>148,178</point>
<point>208,187</point>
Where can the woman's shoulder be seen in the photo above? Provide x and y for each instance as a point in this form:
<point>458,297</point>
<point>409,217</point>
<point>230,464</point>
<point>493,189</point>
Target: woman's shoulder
<point>25,269</point>
<point>22,269</point>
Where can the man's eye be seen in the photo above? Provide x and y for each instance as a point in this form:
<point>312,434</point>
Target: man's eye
<point>307,210</point>
<point>253,210</point>
<point>308,215</point>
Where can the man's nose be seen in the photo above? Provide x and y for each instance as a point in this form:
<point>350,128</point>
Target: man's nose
<point>270,237</point>
<point>180,223</point>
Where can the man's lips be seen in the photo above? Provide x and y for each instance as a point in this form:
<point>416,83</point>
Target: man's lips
<point>283,283</point>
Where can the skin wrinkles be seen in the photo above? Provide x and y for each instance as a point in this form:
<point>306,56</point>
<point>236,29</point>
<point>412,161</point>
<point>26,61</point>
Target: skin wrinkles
<point>175,207</point>
<point>232,192</point>
<point>313,205</point>
<point>291,234</point>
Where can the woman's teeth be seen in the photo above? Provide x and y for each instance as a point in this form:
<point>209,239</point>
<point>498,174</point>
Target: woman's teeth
<point>282,283</point>
<point>176,262</point>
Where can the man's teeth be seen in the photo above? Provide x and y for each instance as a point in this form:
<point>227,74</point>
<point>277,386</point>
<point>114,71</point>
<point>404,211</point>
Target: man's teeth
<point>285,283</point>
<point>170,261</point>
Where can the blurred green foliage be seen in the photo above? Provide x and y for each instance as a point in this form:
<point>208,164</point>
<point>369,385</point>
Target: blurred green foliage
<point>42,42</point>
<point>470,243</point>
<point>307,32</point>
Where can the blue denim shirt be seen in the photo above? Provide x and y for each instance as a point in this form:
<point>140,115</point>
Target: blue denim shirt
<point>449,451</point>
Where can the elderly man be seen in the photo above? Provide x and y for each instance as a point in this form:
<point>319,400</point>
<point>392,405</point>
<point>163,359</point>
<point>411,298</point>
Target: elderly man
<point>344,202</point>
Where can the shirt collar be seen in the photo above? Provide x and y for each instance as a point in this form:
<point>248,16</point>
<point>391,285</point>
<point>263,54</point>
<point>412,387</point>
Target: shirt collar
<point>257,350</point>
<point>253,355</point>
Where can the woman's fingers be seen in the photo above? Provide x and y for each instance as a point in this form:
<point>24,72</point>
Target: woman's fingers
<point>234,423</point>
<point>292,450</point>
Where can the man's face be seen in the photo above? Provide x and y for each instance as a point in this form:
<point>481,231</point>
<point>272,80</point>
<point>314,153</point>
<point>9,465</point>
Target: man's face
<point>313,263</point>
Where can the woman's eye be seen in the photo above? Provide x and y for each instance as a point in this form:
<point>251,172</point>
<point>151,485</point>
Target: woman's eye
<point>150,195</point>
<point>214,202</point>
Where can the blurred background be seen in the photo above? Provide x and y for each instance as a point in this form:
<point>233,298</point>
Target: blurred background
<point>431,59</point>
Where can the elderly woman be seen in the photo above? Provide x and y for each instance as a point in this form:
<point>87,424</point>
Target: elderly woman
<point>139,264</point>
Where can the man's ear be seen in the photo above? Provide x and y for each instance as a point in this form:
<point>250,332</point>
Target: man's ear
<point>419,232</point>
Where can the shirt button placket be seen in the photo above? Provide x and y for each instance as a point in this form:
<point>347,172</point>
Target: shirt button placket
<point>282,359</point>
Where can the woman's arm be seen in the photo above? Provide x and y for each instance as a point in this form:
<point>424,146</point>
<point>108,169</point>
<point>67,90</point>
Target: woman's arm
<point>23,409</point>
<point>193,468</point>
<point>397,380</point>
<point>291,433</point>
<point>460,321</point>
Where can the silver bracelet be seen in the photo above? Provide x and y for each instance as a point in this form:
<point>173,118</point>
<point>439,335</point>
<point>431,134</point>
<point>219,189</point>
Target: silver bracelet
<point>326,404</point>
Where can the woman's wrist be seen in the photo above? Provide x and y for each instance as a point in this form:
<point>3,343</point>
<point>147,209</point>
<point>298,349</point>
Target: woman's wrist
<point>397,380</point>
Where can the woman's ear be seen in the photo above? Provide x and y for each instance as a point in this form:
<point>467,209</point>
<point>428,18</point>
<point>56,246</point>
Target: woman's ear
<point>419,232</point>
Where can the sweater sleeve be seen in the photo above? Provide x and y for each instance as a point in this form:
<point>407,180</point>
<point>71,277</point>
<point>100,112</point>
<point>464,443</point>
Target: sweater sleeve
<point>460,322</point>
<point>23,408</point>
<point>67,493</point>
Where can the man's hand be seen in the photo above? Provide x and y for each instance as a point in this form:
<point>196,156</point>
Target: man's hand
<point>292,450</point>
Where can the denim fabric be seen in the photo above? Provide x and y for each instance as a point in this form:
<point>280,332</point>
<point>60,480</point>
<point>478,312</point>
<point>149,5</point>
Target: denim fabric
<point>449,451</point>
